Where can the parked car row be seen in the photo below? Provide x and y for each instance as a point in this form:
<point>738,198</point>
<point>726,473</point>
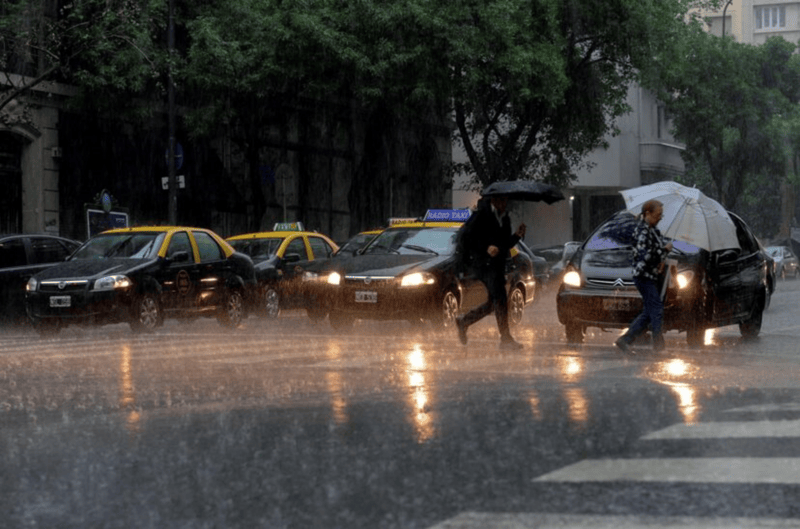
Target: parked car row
<point>145,275</point>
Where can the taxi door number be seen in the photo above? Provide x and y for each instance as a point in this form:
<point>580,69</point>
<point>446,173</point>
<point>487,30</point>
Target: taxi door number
<point>363,296</point>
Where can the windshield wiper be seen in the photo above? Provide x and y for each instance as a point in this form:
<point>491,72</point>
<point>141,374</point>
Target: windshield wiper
<point>420,249</point>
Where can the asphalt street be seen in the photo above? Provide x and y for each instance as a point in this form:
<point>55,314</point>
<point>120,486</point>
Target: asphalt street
<point>289,424</point>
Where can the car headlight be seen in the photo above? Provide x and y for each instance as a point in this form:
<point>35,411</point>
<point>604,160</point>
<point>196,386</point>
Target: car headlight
<point>572,278</point>
<point>684,279</point>
<point>417,279</point>
<point>334,278</point>
<point>32,285</point>
<point>112,282</point>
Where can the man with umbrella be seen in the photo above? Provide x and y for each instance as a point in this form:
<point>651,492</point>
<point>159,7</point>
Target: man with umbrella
<point>487,239</point>
<point>649,253</point>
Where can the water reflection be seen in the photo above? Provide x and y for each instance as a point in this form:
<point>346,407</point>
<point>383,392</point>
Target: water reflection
<point>419,394</point>
<point>674,374</point>
<point>333,379</point>
<point>571,369</point>
<point>127,392</point>
<point>536,405</point>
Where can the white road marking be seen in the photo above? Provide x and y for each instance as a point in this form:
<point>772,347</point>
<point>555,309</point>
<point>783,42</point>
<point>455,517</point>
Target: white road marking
<point>728,430</point>
<point>771,470</point>
<point>477,520</point>
<point>761,408</point>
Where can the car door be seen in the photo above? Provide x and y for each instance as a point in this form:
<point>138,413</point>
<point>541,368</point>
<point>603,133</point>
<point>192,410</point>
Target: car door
<point>178,276</point>
<point>14,273</point>
<point>213,272</point>
<point>296,257</point>
<point>737,276</point>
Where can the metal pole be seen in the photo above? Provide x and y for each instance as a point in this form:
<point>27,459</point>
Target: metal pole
<point>173,184</point>
<point>723,16</point>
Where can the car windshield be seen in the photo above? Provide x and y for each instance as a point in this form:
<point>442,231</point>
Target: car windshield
<point>356,243</point>
<point>130,245</point>
<point>258,248</point>
<point>774,251</point>
<point>599,241</point>
<point>434,241</point>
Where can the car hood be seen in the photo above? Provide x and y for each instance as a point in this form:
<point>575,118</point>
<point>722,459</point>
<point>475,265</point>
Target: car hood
<point>383,265</point>
<point>91,268</point>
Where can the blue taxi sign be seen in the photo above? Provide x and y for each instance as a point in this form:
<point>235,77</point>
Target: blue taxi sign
<point>447,215</point>
<point>288,226</point>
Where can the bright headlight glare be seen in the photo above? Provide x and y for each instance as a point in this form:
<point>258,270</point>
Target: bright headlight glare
<point>32,285</point>
<point>684,278</point>
<point>334,278</point>
<point>416,279</point>
<point>572,278</point>
<point>310,276</point>
<point>112,282</point>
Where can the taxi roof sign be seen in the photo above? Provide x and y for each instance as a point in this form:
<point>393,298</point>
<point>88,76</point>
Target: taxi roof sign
<point>288,226</point>
<point>447,215</point>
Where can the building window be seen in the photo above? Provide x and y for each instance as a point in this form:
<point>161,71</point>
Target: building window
<point>770,17</point>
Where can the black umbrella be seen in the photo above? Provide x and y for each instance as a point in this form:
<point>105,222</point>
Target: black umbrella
<point>529,190</point>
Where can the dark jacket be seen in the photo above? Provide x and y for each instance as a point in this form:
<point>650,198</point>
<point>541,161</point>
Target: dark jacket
<point>484,231</point>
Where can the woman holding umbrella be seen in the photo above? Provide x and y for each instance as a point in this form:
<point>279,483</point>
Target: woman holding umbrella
<point>649,252</point>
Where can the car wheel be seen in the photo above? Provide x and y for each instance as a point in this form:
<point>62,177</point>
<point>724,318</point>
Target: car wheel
<point>752,326</point>
<point>146,313</point>
<point>272,303</point>
<point>695,335</point>
<point>46,328</point>
<point>340,321</point>
<point>231,314</point>
<point>448,310</point>
<point>574,332</point>
<point>516,306</point>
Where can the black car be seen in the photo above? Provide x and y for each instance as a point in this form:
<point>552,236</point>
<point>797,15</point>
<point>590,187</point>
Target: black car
<point>142,275</point>
<point>410,272</point>
<point>541,268</point>
<point>22,256</point>
<point>705,289</point>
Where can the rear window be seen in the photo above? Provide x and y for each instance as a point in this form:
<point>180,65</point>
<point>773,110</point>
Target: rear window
<point>257,248</point>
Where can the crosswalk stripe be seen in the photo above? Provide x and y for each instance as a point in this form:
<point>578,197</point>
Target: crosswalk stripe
<point>763,408</point>
<point>771,470</point>
<point>738,429</point>
<point>478,520</point>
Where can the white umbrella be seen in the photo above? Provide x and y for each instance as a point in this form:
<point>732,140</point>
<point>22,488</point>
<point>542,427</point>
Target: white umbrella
<point>689,215</point>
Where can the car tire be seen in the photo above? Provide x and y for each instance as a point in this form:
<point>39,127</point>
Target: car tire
<point>340,321</point>
<point>574,332</point>
<point>448,310</point>
<point>231,313</point>
<point>46,328</point>
<point>516,306</point>
<point>272,303</point>
<point>751,327</point>
<point>146,313</point>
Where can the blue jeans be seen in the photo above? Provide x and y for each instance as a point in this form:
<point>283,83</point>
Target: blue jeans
<point>652,314</point>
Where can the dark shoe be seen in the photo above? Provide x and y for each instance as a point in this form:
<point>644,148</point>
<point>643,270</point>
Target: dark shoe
<point>510,344</point>
<point>462,330</point>
<point>622,344</point>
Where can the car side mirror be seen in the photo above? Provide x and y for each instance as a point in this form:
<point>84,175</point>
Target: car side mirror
<point>727,256</point>
<point>179,257</point>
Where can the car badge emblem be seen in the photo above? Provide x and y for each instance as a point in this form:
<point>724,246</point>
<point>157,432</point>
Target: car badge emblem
<point>618,282</point>
<point>62,285</point>
<point>367,280</point>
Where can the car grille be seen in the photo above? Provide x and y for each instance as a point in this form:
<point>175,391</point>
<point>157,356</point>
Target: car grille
<point>609,283</point>
<point>68,286</point>
<point>367,281</point>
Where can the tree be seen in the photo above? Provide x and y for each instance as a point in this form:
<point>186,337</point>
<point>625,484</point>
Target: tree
<point>734,107</point>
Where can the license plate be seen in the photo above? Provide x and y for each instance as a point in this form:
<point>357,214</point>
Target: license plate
<point>366,296</point>
<point>612,304</point>
<point>60,301</point>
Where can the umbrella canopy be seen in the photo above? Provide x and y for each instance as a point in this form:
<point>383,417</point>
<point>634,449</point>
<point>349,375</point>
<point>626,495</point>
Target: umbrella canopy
<point>689,215</point>
<point>529,190</point>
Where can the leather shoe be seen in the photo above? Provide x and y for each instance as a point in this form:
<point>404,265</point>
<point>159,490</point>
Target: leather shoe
<point>622,344</point>
<point>511,345</point>
<point>462,330</point>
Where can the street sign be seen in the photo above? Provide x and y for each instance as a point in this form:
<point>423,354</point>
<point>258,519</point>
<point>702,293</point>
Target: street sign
<point>178,156</point>
<point>179,178</point>
<point>98,220</point>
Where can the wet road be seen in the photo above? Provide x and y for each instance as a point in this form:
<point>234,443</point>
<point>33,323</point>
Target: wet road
<point>289,424</point>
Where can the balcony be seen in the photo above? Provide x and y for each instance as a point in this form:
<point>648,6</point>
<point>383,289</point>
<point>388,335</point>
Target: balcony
<point>661,157</point>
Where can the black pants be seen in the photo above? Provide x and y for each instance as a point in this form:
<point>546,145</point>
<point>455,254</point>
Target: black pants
<point>495,282</point>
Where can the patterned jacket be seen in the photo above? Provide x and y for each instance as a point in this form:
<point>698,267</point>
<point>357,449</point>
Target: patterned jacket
<point>648,251</point>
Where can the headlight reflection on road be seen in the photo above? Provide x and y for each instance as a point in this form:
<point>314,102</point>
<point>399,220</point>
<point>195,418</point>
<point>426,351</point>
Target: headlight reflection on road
<point>419,394</point>
<point>571,369</point>
<point>333,379</point>
<point>127,392</point>
<point>673,373</point>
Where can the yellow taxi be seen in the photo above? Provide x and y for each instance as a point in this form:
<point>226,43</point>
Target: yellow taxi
<point>140,276</point>
<point>280,257</point>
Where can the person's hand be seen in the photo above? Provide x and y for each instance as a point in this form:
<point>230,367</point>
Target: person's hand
<point>493,250</point>
<point>521,231</point>
<point>668,247</point>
